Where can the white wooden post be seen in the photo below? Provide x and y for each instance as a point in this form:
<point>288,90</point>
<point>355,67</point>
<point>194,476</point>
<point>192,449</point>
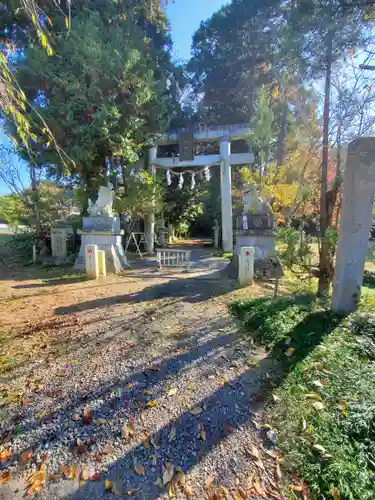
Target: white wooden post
<point>91,261</point>
<point>226,195</point>
<point>102,263</point>
<point>246,266</point>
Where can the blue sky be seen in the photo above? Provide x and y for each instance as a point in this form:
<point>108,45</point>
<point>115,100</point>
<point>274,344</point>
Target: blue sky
<point>185,17</point>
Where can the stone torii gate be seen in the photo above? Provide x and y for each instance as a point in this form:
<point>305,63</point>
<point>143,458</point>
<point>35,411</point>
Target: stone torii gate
<point>224,135</point>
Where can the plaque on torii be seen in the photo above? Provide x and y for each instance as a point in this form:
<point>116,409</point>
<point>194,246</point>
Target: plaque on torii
<point>186,146</point>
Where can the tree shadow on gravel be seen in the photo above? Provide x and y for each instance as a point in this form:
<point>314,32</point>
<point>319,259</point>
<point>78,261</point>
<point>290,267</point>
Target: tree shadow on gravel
<point>191,289</point>
<point>186,353</point>
<point>224,414</point>
<point>221,414</point>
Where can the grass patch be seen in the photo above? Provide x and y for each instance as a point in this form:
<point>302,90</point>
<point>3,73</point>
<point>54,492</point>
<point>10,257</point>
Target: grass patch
<point>329,360</point>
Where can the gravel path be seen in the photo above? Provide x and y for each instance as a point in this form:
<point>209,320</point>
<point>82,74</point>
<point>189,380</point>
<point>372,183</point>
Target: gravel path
<point>144,382</point>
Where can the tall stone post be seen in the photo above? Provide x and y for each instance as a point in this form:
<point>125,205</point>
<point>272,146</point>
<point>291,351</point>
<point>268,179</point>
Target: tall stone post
<point>149,220</point>
<point>355,222</point>
<point>226,195</point>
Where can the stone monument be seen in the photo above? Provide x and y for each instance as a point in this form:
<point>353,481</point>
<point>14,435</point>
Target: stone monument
<point>355,223</point>
<point>61,232</point>
<point>102,228</point>
<point>255,228</point>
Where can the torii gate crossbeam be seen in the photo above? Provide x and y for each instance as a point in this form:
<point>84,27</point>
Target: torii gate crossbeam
<point>225,159</point>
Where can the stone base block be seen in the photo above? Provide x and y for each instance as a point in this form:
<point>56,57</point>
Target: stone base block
<point>101,223</point>
<point>111,244</point>
<point>264,244</point>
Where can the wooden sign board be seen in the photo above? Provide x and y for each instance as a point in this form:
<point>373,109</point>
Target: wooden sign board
<point>186,146</point>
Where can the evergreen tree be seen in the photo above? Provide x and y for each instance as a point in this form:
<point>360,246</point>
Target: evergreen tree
<point>106,89</point>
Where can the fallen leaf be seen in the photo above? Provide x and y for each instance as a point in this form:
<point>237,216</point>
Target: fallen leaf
<point>128,431</point>
<point>152,404</point>
<point>318,405</point>
<point>172,490</point>
<point>145,442</point>
<point>108,449</point>
<point>139,469</point>
<point>100,421</point>
<point>25,457</point>
<point>258,487</point>
<point>228,429</point>
<point>155,440</point>
<point>297,488</point>
<point>254,452</point>
<point>196,410</point>
<point>87,415</point>
<point>319,448</point>
<point>172,434</point>
<point>132,492</point>
<point>36,480</point>
<point>209,481</point>
<point>314,395</point>
<point>168,473</point>
<point>79,448</point>
<point>278,472</point>
<point>335,492</point>
<point>154,459</point>
<point>66,471</point>
<point>344,406</point>
<point>172,391</point>
<point>201,432</point>
<point>5,455</point>
<point>54,476</point>
<point>188,491</point>
<point>5,476</point>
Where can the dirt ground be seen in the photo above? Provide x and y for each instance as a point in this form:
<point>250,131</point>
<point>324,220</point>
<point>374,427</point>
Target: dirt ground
<point>138,384</point>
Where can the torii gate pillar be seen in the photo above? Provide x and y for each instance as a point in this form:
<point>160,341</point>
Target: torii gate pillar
<point>149,219</point>
<point>226,195</point>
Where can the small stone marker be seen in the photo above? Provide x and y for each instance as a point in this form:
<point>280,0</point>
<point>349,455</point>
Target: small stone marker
<point>91,261</point>
<point>102,263</point>
<point>246,266</point>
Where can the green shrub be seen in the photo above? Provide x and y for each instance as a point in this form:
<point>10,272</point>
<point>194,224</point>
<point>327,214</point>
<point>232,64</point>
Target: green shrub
<point>19,247</point>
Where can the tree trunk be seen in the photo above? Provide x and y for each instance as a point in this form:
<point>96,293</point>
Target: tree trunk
<point>325,261</point>
<point>34,189</point>
<point>281,139</point>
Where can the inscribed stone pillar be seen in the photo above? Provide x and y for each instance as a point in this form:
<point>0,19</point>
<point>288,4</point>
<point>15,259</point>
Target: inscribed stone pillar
<point>355,222</point>
<point>91,261</point>
<point>246,266</point>
<point>149,220</point>
<point>226,195</point>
